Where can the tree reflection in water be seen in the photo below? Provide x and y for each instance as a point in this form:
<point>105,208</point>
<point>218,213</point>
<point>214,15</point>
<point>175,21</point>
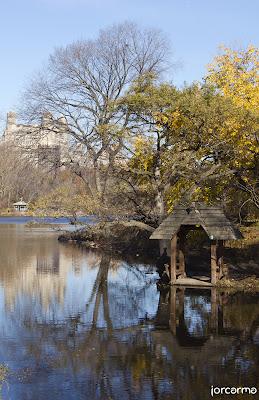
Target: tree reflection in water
<point>113,336</point>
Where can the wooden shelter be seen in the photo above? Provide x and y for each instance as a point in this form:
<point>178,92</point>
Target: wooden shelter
<point>198,215</point>
<point>20,206</point>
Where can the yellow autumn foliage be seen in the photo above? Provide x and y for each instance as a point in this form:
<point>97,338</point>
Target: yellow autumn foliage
<point>143,157</point>
<point>236,74</point>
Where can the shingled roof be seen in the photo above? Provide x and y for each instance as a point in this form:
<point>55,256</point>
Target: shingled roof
<point>211,218</point>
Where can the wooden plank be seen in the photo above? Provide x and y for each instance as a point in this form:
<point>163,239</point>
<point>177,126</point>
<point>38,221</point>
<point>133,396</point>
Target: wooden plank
<point>192,282</point>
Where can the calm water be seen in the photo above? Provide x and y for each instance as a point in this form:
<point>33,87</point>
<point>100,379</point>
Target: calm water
<point>80,325</point>
<point>17,220</point>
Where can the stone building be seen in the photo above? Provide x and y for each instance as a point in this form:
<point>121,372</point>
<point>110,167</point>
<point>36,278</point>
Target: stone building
<point>45,143</point>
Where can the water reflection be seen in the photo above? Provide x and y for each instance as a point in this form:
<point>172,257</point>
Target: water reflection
<point>82,325</point>
<point>213,338</point>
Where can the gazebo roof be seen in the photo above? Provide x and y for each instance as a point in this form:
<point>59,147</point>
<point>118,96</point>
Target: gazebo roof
<point>20,203</point>
<point>211,218</point>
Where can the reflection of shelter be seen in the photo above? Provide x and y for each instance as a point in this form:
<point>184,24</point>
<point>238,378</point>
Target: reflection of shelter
<point>198,216</point>
<point>20,206</point>
<point>196,315</point>
<point>196,330</point>
<point>209,340</point>
<point>209,309</point>
<point>174,312</point>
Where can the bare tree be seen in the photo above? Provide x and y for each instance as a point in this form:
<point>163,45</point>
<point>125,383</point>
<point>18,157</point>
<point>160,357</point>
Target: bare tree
<point>83,83</point>
<point>21,176</point>
<point>18,177</point>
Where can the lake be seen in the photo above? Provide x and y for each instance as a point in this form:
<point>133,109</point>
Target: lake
<point>78,324</point>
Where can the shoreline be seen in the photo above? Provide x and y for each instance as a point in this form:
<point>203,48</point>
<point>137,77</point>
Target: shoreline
<point>130,239</point>
<point>33,215</point>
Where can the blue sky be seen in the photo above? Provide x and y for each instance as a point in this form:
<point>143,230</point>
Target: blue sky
<point>31,29</point>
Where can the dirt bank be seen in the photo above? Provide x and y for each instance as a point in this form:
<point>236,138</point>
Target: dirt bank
<point>250,284</point>
<point>124,237</point>
<point>131,238</point>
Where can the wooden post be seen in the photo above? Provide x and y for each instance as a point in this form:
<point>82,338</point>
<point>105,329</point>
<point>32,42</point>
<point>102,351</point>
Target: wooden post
<point>173,259</point>
<point>220,262</point>
<point>181,253</point>
<point>213,261</point>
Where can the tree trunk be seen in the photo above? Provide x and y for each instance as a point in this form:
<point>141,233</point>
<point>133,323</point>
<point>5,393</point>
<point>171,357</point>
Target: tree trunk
<point>97,179</point>
<point>159,200</point>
